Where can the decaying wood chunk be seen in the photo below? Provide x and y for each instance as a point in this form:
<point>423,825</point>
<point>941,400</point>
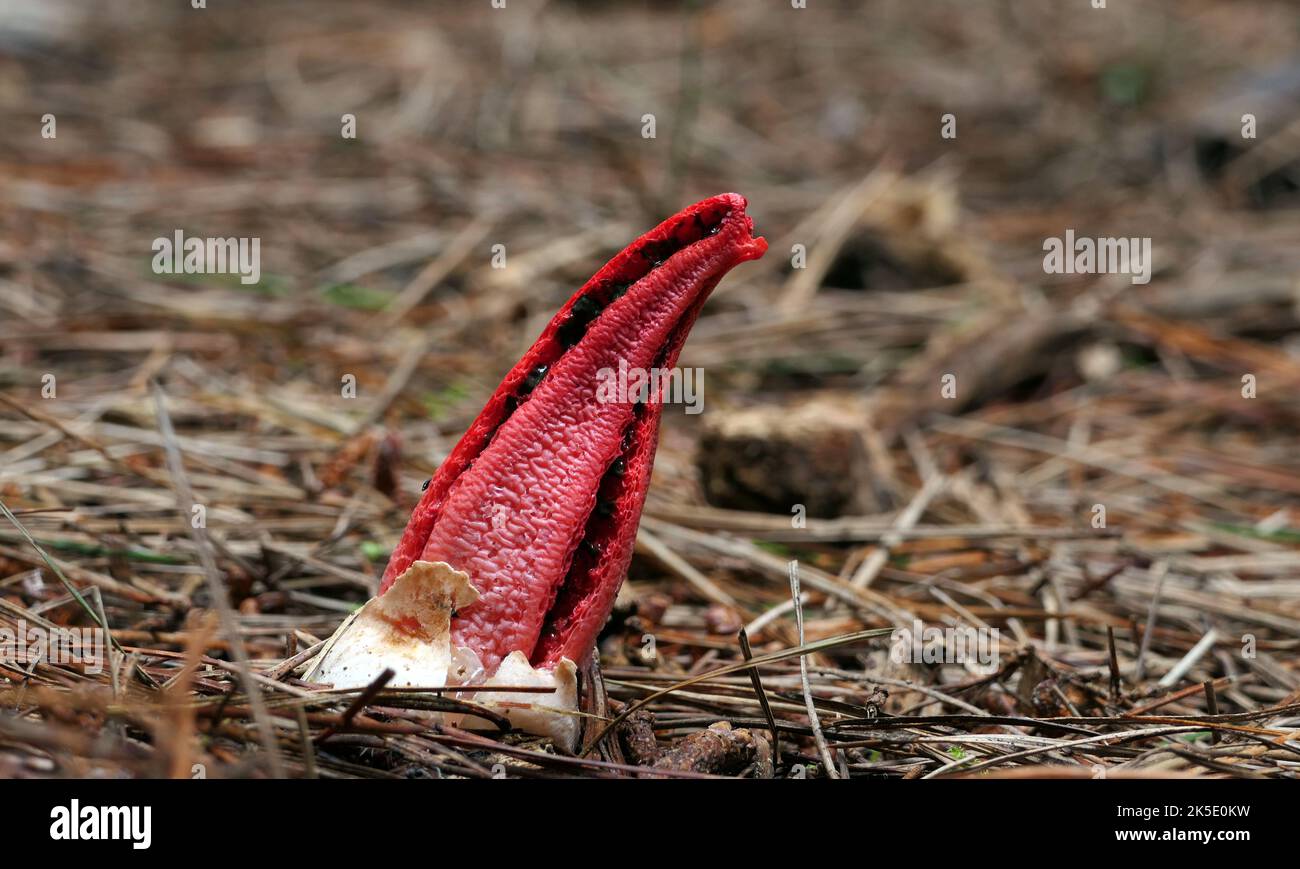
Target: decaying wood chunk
<point>1258,168</point>
<point>637,734</point>
<point>717,750</point>
<point>773,457</point>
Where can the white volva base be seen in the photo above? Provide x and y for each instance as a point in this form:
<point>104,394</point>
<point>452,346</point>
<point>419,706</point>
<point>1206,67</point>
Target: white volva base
<point>408,630</point>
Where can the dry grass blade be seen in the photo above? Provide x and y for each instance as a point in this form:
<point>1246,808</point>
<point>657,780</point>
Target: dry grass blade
<point>216,589</point>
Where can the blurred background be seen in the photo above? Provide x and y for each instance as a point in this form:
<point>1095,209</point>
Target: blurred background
<point>905,161</point>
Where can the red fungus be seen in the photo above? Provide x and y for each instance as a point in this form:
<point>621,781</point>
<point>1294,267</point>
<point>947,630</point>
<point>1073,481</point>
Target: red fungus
<point>540,500</point>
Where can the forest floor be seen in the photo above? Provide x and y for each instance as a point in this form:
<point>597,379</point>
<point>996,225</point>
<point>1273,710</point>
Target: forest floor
<point>1087,487</point>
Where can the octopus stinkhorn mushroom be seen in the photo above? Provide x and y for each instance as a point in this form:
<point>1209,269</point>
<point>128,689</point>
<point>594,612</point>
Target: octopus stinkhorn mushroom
<point>513,556</point>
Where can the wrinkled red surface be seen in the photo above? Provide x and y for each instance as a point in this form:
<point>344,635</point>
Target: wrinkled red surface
<point>513,502</point>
